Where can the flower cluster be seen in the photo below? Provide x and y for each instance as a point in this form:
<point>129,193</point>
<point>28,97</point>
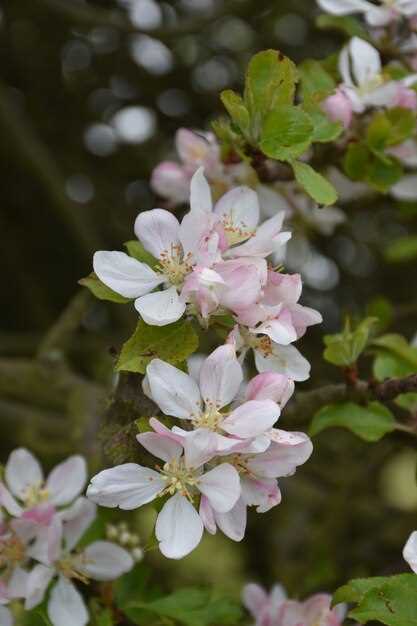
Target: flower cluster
<point>366,86</point>
<point>42,524</point>
<point>226,456</point>
<point>275,609</point>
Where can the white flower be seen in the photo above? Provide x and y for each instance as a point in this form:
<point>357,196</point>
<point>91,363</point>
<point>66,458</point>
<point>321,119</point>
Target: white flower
<point>388,11</point>
<point>363,80</point>
<point>178,527</point>
<point>410,551</point>
<point>179,395</point>
<point>101,560</point>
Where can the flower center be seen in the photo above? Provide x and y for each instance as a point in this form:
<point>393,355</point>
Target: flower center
<point>69,567</point>
<point>35,494</point>
<point>235,234</point>
<point>373,83</point>
<point>12,551</point>
<point>211,418</point>
<point>179,478</point>
<point>174,265</point>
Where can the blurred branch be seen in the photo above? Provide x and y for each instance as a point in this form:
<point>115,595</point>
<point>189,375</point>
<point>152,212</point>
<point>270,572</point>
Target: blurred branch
<point>306,403</point>
<point>60,334</point>
<point>35,157</point>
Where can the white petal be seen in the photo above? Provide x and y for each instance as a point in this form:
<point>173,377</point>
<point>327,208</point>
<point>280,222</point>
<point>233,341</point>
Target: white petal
<point>157,230</point>
<point>366,62</point>
<point>379,16</point>
<point>265,240</point>
<point>254,597</point>
<point>66,605</point>
<point>178,528</point>
<point>160,308</point>
<point>344,7</point>
<point>6,618</point>
<point>17,583</point>
<point>22,471</point>
<point>282,459</point>
<point>176,393</point>
<point>233,523</point>
<point>103,560</point>
<point>207,515</point>
<point>199,447</point>
<point>160,446</point>
<point>8,502</point>
<point>124,274</point>
<point>76,520</point>
<point>281,329</point>
<point>127,486</point>
<point>264,494</point>
<point>67,480</point>
<point>252,418</point>
<point>239,209</point>
<point>200,194</point>
<point>221,376</point>
<point>285,360</point>
<point>221,486</point>
<point>37,584</point>
<point>410,551</point>
<point>405,189</point>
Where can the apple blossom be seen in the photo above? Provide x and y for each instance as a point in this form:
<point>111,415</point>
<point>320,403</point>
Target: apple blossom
<point>178,395</point>
<point>382,15</point>
<point>25,487</point>
<point>364,82</point>
<point>100,560</point>
<point>275,609</point>
<point>339,107</point>
<point>179,528</point>
<point>214,259</point>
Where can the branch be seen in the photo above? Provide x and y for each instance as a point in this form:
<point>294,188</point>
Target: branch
<point>60,334</point>
<point>307,403</point>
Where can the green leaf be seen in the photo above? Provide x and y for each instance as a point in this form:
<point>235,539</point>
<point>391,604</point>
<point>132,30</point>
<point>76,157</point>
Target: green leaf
<point>314,183</point>
<point>402,250</point>
<point>391,601</point>
<point>324,129</point>
<point>403,125</point>
<point>398,346</point>
<point>348,25</point>
<point>237,110</point>
<point>378,132</point>
<point>383,173</point>
<point>138,252</point>
<point>286,133</point>
<point>172,343</point>
<point>343,349</point>
<point>194,607</point>
<point>270,82</point>
<point>381,309</point>
<point>369,422</point>
<point>315,79</point>
<point>357,161</point>
<point>100,290</point>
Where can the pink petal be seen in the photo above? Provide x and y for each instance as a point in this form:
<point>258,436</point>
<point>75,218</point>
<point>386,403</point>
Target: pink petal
<point>252,418</point>
<point>270,386</point>
<point>161,446</point>
<point>221,486</point>
<point>103,560</point>
<point>67,480</point>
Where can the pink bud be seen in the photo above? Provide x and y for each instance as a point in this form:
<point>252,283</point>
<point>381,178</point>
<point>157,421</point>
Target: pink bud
<point>338,107</point>
<point>406,98</point>
<point>170,181</point>
<point>270,386</point>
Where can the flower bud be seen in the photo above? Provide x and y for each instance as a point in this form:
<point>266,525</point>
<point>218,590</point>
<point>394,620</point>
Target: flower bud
<point>338,107</point>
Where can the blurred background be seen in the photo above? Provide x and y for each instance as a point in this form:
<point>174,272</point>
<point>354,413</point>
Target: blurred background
<point>91,94</point>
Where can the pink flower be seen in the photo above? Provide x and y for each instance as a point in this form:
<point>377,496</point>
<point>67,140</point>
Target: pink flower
<point>338,107</point>
<point>272,386</point>
<point>178,395</point>
<point>405,98</point>
<point>101,560</point>
<point>26,491</point>
<point>169,180</point>
<point>276,610</point>
<point>179,528</point>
